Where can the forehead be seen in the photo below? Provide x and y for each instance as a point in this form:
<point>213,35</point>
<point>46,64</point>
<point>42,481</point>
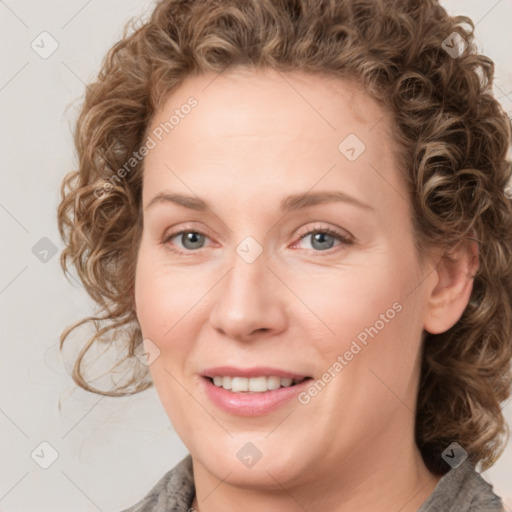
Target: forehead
<point>266,95</point>
<point>274,128</point>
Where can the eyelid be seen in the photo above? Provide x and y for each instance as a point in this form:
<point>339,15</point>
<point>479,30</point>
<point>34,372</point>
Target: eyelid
<point>318,227</point>
<point>187,228</point>
<point>345,238</point>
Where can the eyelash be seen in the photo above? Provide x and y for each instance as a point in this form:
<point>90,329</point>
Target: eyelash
<point>344,239</point>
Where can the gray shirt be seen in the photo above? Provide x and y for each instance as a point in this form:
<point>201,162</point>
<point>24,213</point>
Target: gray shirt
<point>462,489</point>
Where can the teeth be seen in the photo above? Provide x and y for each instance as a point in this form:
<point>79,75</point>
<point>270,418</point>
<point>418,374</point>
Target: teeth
<point>258,384</point>
<point>239,384</point>
<point>254,384</point>
<point>273,383</point>
<point>226,382</point>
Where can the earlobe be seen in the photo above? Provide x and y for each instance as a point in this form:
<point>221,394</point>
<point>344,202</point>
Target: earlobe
<point>450,294</point>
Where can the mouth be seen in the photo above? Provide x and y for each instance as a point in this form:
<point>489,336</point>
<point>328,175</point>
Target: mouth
<point>252,392</point>
<point>260,384</point>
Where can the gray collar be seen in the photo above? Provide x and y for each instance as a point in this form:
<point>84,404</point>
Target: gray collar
<point>462,489</point>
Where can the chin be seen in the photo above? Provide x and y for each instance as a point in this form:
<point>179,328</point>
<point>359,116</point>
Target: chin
<point>259,463</point>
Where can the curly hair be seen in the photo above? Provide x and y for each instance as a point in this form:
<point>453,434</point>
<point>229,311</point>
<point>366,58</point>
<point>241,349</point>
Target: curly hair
<point>423,67</point>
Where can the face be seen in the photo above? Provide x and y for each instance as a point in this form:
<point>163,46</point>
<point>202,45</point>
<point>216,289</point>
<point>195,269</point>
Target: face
<point>277,245</point>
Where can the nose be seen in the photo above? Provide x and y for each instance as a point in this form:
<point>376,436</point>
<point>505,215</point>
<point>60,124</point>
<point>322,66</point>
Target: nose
<point>250,301</point>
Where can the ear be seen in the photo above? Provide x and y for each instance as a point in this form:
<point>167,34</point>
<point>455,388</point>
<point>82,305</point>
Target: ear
<point>453,283</point>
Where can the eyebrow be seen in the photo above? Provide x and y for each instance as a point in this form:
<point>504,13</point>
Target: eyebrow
<point>291,203</point>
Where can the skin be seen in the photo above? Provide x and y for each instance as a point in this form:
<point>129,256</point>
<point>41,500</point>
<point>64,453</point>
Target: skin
<point>254,138</point>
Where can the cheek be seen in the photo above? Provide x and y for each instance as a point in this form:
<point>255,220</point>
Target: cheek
<point>157,299</point>
<point>163,300</point>
<point>377,325</point>
<point>346,302</point>
<point>167,299</point>
<point>153,295</point>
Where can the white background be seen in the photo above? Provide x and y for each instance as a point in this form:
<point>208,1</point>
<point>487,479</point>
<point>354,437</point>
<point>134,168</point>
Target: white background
<point>111,451</point>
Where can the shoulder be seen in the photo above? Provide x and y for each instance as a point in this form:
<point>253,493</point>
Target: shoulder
<point>174,492</point>
<point>463,489</point>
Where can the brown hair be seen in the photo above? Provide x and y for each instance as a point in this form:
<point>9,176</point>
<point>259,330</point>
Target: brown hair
<point>454,137</point>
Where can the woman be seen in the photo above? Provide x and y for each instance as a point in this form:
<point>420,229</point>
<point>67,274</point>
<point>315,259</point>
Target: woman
<point>298,212</point>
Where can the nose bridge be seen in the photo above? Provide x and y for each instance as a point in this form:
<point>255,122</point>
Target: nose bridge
<point>249,299</point>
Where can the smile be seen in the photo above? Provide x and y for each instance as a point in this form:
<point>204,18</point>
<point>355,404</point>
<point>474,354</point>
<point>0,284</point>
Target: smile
<point>254,384</point>
<point>252,392</point>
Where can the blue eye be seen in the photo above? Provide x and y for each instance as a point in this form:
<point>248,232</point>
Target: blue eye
<point>322,240</point>
<point>190,239</point>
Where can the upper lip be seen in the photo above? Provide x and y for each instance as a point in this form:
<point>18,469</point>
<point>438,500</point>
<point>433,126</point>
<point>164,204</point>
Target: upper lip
<point>255,371</point>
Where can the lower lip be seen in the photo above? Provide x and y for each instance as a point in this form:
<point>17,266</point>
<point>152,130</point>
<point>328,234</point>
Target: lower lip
<point>252,404</point>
